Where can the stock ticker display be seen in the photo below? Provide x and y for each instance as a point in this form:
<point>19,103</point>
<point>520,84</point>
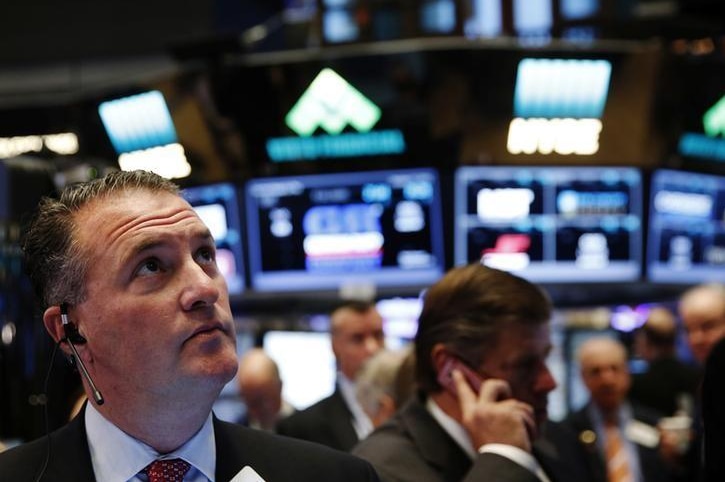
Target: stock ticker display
<point>218,207</point>
<point>321,232</point>
<point>686,242</point>
<point>553,224</point>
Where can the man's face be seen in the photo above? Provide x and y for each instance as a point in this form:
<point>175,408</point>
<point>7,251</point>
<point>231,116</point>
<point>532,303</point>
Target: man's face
<point>605,374</point>
<point>519,357</point>
<point>355,338</point>
<point>704,321</point>
<point>157,316</point>
<point>262,397</point>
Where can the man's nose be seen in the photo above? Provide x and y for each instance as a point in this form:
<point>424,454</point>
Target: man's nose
<point>200,287</point>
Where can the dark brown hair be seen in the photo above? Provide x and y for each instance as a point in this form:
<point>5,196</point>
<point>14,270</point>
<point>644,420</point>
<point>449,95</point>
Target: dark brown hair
<point>467,309</point>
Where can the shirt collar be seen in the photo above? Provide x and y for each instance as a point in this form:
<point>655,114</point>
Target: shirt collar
<point>361,422</point>
<point>118,457</point>
<point>451,427</point>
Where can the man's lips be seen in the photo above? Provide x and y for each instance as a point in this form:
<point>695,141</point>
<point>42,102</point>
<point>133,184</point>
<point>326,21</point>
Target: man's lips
<point>208,328</point>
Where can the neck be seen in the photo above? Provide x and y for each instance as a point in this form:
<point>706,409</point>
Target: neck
<point>164,426</point>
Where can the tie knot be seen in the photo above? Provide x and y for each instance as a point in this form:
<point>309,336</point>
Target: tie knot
<point>170,470</point>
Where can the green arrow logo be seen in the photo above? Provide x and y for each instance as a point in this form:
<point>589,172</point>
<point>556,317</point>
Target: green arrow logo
<point>714,119</point>
<point>332,103</point>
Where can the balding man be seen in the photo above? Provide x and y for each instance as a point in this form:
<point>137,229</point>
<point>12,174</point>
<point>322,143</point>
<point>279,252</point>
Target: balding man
<point>702,310</point>
<point>669,384</point>
<point>616,440</point>
<point>260,387</point>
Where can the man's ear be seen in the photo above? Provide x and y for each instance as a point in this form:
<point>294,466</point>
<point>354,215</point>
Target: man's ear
<point>439,355</point>
<point>53,323</point>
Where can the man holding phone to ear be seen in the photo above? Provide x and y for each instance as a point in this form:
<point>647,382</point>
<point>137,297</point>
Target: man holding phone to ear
<point>481,346</point>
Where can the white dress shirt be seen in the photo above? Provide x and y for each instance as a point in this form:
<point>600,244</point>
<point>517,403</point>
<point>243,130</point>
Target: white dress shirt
<point>360,420</point>
<point>118,457</point>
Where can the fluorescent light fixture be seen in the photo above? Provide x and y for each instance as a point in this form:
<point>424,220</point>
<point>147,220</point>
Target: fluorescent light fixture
<point>65,143</point>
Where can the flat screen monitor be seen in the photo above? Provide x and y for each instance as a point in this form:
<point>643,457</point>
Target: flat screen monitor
<point>686,242</point>
<point>551,224</point>
<point>218,207</point>
<point>336,231</point>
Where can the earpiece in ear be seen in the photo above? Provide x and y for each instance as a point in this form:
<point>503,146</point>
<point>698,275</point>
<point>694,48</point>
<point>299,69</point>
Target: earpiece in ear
<point>69,328</point>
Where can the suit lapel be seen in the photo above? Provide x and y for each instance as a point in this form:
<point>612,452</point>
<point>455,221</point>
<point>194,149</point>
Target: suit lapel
<point>343,432</point>
<point>70,458</point>
<point>230,454</point>
<point>436,446</point>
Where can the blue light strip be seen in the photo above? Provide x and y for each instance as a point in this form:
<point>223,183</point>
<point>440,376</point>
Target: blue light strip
<point>702,146</point>
<point>376,143</point>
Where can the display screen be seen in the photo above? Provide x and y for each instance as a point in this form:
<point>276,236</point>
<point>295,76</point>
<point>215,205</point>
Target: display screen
<point>325,232</point>
<point>218,207</point>
<point>686,242</point>
<point>138,122</point>
<point>551,224</point>
<point>306,365</point>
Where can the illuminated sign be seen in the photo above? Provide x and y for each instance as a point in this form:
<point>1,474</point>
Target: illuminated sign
<point>331,103</point>
<point>557,106</point>
<point>167,161</point>
<point>710,145</point>
<point>714,119</point>
<point>374,143</point>
<point>138,122</point>
<point>143,134</point>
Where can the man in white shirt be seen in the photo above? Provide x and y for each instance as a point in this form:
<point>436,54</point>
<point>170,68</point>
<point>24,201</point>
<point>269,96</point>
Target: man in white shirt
<point>126,272</point>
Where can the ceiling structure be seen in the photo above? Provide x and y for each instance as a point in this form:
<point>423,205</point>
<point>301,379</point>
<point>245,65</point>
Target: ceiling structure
<point>55,54</point>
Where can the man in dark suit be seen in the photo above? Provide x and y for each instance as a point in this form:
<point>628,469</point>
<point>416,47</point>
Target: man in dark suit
<point>614,438</point>
<point>480,350</point>
<point>713,413</point>
<point>127,274</point>
<point>669,384</point>
<point>338,421</point>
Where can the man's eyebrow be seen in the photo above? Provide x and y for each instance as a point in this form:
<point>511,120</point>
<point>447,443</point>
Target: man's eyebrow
<point>150,244</point>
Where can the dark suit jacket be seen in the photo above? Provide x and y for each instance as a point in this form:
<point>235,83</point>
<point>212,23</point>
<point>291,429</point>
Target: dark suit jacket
<point>274,458</point>
<point>327,422</point>
<point>713,413</point>
<point>413,447</point>
<point>584,456</point>
<point>664,381</point>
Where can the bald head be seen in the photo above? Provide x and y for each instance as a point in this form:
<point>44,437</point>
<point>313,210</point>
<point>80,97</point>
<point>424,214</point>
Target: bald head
<point>260,387</point>
<point>702,310</point>
<point>603,364</point>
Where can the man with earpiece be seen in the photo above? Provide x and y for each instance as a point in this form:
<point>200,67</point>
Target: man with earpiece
<point>127,275</point>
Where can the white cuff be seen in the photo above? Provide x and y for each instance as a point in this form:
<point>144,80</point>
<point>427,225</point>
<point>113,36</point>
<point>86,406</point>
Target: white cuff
<point>517,455</point>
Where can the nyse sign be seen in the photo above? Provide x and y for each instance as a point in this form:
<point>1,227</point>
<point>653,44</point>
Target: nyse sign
<point>563,136</point>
